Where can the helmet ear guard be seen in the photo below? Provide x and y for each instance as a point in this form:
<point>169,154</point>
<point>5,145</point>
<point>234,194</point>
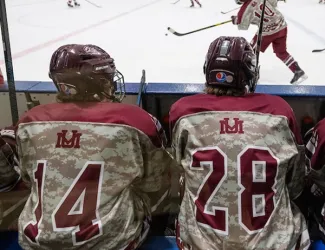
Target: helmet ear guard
<point>251,71</point>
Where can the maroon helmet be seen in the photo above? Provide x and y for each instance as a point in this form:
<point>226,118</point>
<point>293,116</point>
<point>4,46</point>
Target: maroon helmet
<point>231,62</point>
<point>86,70</point>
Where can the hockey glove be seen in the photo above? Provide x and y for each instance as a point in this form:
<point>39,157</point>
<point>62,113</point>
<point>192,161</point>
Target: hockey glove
<point>234,20</point>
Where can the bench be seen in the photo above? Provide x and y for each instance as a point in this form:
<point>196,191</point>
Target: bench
<point>9,241</point>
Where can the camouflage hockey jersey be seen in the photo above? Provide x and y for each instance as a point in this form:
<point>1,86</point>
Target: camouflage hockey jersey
<point>251,11</point>
<point>13,193</point>
<point>243,162</point>
<point>98,172</point>
<point>9,172</point>
<point>315,166</point>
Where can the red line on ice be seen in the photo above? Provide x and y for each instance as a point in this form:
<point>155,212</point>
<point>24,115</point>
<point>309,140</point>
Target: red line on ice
<point>74,33</point>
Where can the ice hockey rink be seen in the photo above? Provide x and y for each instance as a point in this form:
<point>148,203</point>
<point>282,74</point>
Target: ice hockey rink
<point>133,32</point>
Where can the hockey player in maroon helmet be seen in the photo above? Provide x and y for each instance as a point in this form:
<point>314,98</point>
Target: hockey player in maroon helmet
<point>315,165</point>
<point>98,168</point>
<point>197,1</point>
<point>242,157</point>
<point>274,31</point>
<point>9,173</point>
<point>13,192</point>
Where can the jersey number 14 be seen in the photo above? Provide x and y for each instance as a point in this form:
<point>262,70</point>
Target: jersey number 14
<point>71,214</point>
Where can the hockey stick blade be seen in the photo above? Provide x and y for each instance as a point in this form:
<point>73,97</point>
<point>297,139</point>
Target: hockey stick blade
<point>194,31</point>
<point>176,2</point>
<point>174,32</point>
<point>93,4</point>
<point>318,50</point>
<point>226,12</point>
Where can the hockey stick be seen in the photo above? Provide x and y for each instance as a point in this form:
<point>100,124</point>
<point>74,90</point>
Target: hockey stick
<point>259,42</point>
<point>142,87</point>
<point>318,50</point>
<point>191,32</point>
<point>176,2</point>
<point>226,12</point>
<point>93,4</point>
<point>14,207</point>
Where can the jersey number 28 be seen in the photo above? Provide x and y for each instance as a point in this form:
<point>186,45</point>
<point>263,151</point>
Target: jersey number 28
<point>256,176</point>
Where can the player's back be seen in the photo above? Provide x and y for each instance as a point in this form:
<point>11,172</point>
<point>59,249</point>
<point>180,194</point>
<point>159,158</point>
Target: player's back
<point>242,168</point>
<point>90,166</point>
<point>315,164</point>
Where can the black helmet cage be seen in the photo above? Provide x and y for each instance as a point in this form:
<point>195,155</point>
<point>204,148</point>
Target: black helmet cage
<point>109,78</point>
<point>251,71</point>
<point>119,86</point>
<point>6,154</point>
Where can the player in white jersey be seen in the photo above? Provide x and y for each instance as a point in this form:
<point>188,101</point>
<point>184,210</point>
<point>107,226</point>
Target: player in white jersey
<point>243,160</point>
<point>274,31</point>
<point>98,168</point>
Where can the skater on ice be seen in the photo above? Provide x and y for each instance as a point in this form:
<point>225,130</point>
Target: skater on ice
<point>197,1</point>
<point>75,3</point>
<point>274,31</point>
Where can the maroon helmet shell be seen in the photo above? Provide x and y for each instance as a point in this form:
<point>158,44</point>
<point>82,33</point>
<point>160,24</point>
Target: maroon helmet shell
<point>231,62</point>
<point>86,70</point>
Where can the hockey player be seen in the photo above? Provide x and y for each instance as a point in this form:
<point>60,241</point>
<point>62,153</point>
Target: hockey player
<point>274,31</point>
<point>315,165</point>
<point>75,3</point>
<point>197,1</point>
<point>13,192</point>
<point>98,168</point>
<point>9,173</point>
<point>243,159</point>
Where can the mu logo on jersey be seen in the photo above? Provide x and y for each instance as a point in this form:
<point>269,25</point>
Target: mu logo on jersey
<point>64,142</point>
<point>236,128</point>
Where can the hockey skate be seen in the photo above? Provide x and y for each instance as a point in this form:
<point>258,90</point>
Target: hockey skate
<point>76,3</point>
<point>298,77</point>
<point>70,5</point>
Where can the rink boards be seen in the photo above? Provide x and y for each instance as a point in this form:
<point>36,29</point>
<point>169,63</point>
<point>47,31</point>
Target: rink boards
<point>158,97</point>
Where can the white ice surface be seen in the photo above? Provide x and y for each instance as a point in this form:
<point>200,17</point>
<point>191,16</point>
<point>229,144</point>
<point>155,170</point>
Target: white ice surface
<point>133,32</point>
